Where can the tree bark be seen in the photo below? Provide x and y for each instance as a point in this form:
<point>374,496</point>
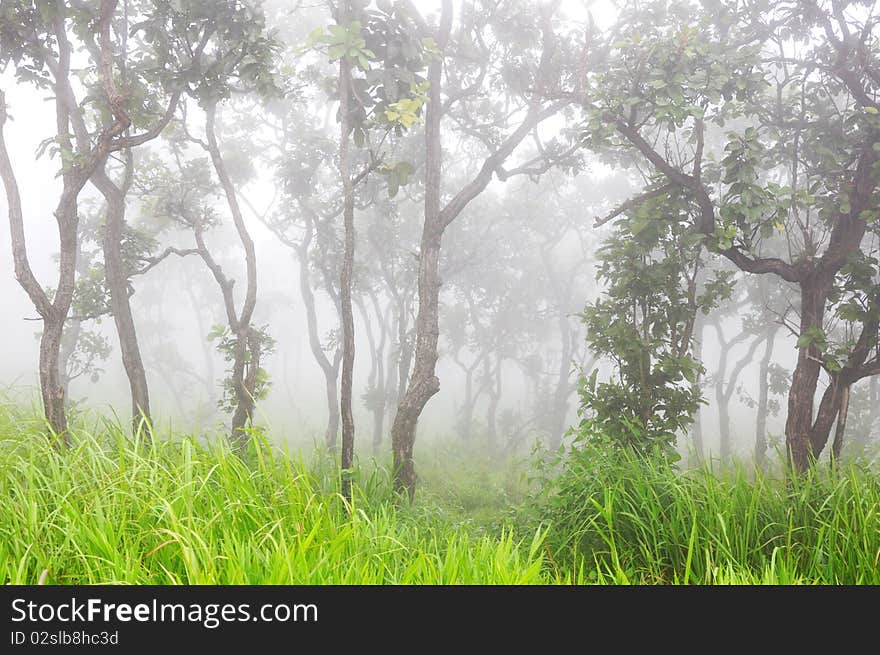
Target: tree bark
<point>799,422</point>
<point>842,413</point>
<point>118,285</point>
<point>328,368</point>
<point>423,382</point>
<point>345,281</point>
<point>246,362</point>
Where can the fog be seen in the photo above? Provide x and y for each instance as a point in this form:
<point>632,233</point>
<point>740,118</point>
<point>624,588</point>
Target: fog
<point>518,265</point>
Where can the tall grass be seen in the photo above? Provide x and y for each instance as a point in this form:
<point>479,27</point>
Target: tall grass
<point>623,518</point>
<point>179,512</point>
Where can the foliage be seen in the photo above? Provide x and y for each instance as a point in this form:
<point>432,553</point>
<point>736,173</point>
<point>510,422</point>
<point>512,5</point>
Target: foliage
<point>258,341</point>
<point>177,512</point>
<point>643,323</point>
<point>627,518</point>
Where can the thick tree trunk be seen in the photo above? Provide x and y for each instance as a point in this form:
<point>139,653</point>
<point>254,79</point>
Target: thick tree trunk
<point>763,399</point>
<point>117,284</point>
<point>799,423</point>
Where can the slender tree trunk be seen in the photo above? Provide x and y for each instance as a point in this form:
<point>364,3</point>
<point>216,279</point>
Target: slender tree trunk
<point>405,350</point>
<point>697,452</point>
<point>246,359</point>
<point>874,414</point>
<point>70,335</point>
<point>117,284</point>
<point>763,399</point>
<point>330,370</point>
<point>492,409</point>
<point>207,355</point>
<point>560,394</point>
<point>843,412</point>
<point>376,382</point>
<point>467,405</point>
<point>345,282</point>
<point>391,396</point>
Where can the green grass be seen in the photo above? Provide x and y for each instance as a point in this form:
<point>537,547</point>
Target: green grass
<point>178,511</point>
<point>631,520</point>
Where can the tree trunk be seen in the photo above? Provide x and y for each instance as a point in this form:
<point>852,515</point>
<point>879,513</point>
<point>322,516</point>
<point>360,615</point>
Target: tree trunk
<point>423,383</point>
<point>246,359</point>
<point>404,350</point>
<point>51,387</point>
<point>53,312</point>
<point>117,284</point>
<point>560,394</point>
<point>330,370</point>
<point>492,410</point>
<point>697,452</point>
<point>376,383</point>
<point>874,414</point>
<point>345,281</point>
<point>71,333</point>
<point>799,423</point>
<point>842,414</point>
<point>763,400</point>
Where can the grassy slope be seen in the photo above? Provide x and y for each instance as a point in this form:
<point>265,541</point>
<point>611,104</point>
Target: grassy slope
<point>109,511</point>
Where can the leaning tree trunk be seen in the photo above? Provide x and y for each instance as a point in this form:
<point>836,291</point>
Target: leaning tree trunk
<point>117,284</point>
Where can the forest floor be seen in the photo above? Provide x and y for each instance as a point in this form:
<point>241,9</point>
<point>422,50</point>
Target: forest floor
<point>114,510</point>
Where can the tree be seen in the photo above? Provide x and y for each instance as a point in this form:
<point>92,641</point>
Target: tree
<point>37,41</point>
<point>534,77</point>
<point>795,191</point>
<point>644,323</point>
